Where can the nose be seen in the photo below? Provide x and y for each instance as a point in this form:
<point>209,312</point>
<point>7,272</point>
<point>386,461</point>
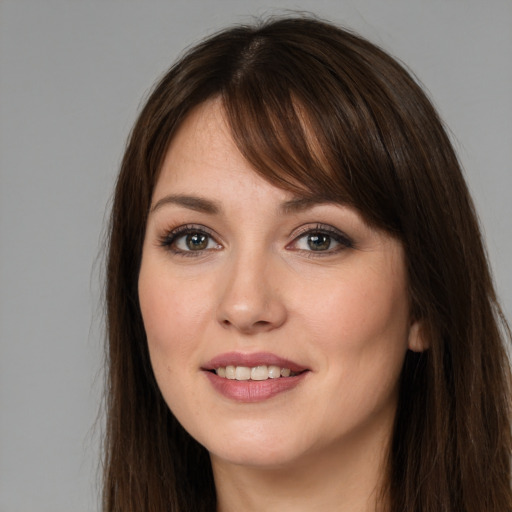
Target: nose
<point>251,300</point>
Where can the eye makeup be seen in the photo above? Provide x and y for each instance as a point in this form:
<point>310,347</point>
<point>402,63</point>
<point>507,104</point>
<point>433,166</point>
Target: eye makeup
<point>318,240</point>
<point>189,240</point>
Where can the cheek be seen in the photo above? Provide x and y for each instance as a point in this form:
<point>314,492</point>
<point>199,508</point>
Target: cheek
<point>169,294</point>
<point>361,328</point>
<point>362,335</point>
<point>173,312</point>
<point>360,309</point>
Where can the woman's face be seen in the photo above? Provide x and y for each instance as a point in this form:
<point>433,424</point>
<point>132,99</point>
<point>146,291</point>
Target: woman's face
<point>276,327</point>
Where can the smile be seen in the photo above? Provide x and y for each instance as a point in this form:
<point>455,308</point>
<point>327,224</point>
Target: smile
<point>255,377</point>
<point>262,372</point>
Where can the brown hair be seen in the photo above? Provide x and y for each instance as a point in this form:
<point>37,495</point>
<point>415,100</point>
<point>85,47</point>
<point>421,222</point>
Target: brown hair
<point>322,112</point>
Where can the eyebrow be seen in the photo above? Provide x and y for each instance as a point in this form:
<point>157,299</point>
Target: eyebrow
<point>200,204</point>
<point>195,203</point>
<point>299,204</point>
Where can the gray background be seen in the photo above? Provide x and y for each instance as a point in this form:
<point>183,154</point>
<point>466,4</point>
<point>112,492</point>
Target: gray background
<point>72,75</point>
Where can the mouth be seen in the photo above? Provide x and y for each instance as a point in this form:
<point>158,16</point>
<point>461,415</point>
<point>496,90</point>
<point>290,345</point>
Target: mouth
<point>253,377</point>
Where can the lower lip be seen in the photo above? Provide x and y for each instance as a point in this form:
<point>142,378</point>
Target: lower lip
<point>248,391</point>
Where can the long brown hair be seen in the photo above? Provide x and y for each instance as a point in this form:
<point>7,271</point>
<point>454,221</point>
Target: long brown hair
<point>323,112</point>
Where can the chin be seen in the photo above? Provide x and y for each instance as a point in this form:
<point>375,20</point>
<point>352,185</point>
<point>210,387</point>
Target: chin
<point>256,456</point>
<point>253,446</point>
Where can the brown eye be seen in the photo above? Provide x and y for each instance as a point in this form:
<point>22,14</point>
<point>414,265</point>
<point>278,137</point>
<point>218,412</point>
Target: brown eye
<point>189,240</point>
<point>323,240</point>
<point>319,242</point>
<point>197,241</point>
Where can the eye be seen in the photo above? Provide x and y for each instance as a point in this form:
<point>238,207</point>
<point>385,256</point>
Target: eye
<point>189,239</point>
<point>321,239</point>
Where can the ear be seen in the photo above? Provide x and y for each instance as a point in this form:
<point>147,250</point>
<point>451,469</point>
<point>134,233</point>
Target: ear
<point>417,341</point>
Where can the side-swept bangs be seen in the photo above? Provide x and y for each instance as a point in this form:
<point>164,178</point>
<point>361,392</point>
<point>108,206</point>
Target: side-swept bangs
<point>337,119</point>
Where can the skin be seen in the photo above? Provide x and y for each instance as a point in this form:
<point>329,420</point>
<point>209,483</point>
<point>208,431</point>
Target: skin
<point>342,313</point>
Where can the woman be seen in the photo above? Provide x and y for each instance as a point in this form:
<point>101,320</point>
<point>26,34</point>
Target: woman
<point>300,311</point>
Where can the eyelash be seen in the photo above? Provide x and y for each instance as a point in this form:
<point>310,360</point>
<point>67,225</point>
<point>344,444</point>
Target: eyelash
<point>169,239</point>
<point>323,229</point>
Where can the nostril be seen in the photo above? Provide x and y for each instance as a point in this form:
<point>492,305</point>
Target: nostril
<point>261,323</point>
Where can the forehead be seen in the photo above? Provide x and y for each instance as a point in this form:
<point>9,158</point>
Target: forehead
<point>205,141</point>
<point>204,135</point>
<point>202,154</point>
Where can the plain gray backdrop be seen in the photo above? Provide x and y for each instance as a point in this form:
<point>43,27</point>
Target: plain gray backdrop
<point>72,75</point>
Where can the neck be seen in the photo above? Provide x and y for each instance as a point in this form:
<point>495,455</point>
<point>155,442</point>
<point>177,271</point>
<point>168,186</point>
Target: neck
<point>347,477</point>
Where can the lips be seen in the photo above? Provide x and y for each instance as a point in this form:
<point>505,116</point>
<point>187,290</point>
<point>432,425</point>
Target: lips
<point>253,377</point>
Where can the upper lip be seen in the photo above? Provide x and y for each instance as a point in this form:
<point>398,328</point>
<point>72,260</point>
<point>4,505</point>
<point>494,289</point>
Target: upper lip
<point>251,360</point>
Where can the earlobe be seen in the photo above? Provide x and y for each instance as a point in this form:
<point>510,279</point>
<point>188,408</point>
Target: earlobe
<point>417,341</point>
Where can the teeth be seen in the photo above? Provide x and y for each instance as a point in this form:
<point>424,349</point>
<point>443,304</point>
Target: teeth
<point>259,373</point>
<point>242,373</point>
<point>262,372</point>
<point>274,372</point>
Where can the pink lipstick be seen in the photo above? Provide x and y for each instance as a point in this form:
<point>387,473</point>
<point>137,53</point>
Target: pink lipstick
<point>253,377</point>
